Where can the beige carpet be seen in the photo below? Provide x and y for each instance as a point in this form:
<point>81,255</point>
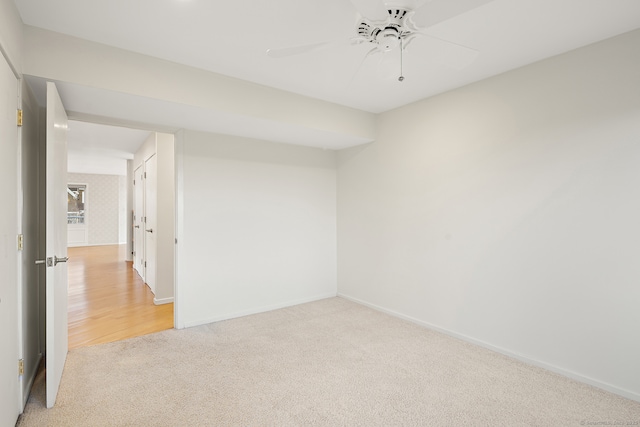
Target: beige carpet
<point>327,363</point>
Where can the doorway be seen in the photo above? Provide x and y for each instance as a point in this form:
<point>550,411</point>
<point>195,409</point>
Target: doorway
<point>30,160</point>
<point>111,296</point>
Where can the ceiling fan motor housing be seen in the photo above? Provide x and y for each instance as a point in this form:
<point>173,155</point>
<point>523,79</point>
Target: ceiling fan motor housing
<point>387,35</point>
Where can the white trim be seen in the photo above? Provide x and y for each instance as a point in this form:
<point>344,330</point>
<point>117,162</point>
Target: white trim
<point>258,310</point>
<point>20,255</point>
<point>9,62</point>
<point>161,301</point>
<point>179,142</point>
<point>558,370</point>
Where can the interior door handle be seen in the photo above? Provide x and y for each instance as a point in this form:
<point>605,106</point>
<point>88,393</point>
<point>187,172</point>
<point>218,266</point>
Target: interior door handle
<point>149,230</point>
<point>56,260</point>
<point>52,261</point>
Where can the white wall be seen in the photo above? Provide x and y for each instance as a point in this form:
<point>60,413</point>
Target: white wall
<point>166,219</point>
<point>11,35</point>
<point>256,226</point>
<point>507,212</point>
<point>146,150</point>
<point>103,206</point>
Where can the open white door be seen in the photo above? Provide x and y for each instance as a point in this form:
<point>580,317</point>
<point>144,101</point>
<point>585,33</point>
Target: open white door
<point>9,303</point>
<point>56,243</point>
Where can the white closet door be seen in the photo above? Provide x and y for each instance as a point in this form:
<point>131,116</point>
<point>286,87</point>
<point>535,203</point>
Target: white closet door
<point>151,224</point>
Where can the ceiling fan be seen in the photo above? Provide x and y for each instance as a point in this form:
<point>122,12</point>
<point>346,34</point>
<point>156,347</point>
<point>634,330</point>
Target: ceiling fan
<point>391,25</point>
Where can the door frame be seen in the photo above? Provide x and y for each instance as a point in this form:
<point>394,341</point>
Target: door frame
<point>31,279</point>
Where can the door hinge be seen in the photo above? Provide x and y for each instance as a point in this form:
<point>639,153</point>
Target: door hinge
<point>145,263</point>
<point>134,182</point>
<point>145,174</point>
<point>21,367</point>
<point>19,118</point>
<point>20,242</point>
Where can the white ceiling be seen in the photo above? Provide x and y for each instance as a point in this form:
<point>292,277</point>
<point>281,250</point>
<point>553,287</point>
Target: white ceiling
<point>95,148</point>
<point>102,149</point>
<point>232,38</point>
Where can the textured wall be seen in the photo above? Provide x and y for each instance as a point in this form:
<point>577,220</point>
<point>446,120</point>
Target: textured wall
<point>103,206</point>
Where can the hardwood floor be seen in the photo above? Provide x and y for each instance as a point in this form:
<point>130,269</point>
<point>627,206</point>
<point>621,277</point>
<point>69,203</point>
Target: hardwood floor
<point>108,301</point>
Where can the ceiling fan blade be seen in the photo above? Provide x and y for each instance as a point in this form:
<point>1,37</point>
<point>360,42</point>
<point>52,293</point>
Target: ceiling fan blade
<point>373,10</point>
<point>388,67</point>
<point>446,52</point>
<point>405,4</point>
<point>436,11</point>
<point>372,51</point>
<point>294,50</point>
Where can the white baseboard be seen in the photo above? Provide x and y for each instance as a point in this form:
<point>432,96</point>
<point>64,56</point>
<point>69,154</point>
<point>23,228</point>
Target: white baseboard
<point>160,301</point>
<point>76,245</point>
<point>564,372</point>
<point>262,309</point>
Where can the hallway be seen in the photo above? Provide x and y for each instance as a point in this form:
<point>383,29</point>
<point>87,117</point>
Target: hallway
<point>108,301</point>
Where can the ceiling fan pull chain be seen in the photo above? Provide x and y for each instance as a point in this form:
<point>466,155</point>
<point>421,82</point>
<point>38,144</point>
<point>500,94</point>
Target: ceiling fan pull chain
<point>401,78</point>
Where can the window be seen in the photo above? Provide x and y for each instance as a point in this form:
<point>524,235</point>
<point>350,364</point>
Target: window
<point>76,196</point>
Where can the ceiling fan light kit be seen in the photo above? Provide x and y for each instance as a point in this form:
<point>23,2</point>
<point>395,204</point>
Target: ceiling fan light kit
<point>387,35</point>
<point>396,32</point>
